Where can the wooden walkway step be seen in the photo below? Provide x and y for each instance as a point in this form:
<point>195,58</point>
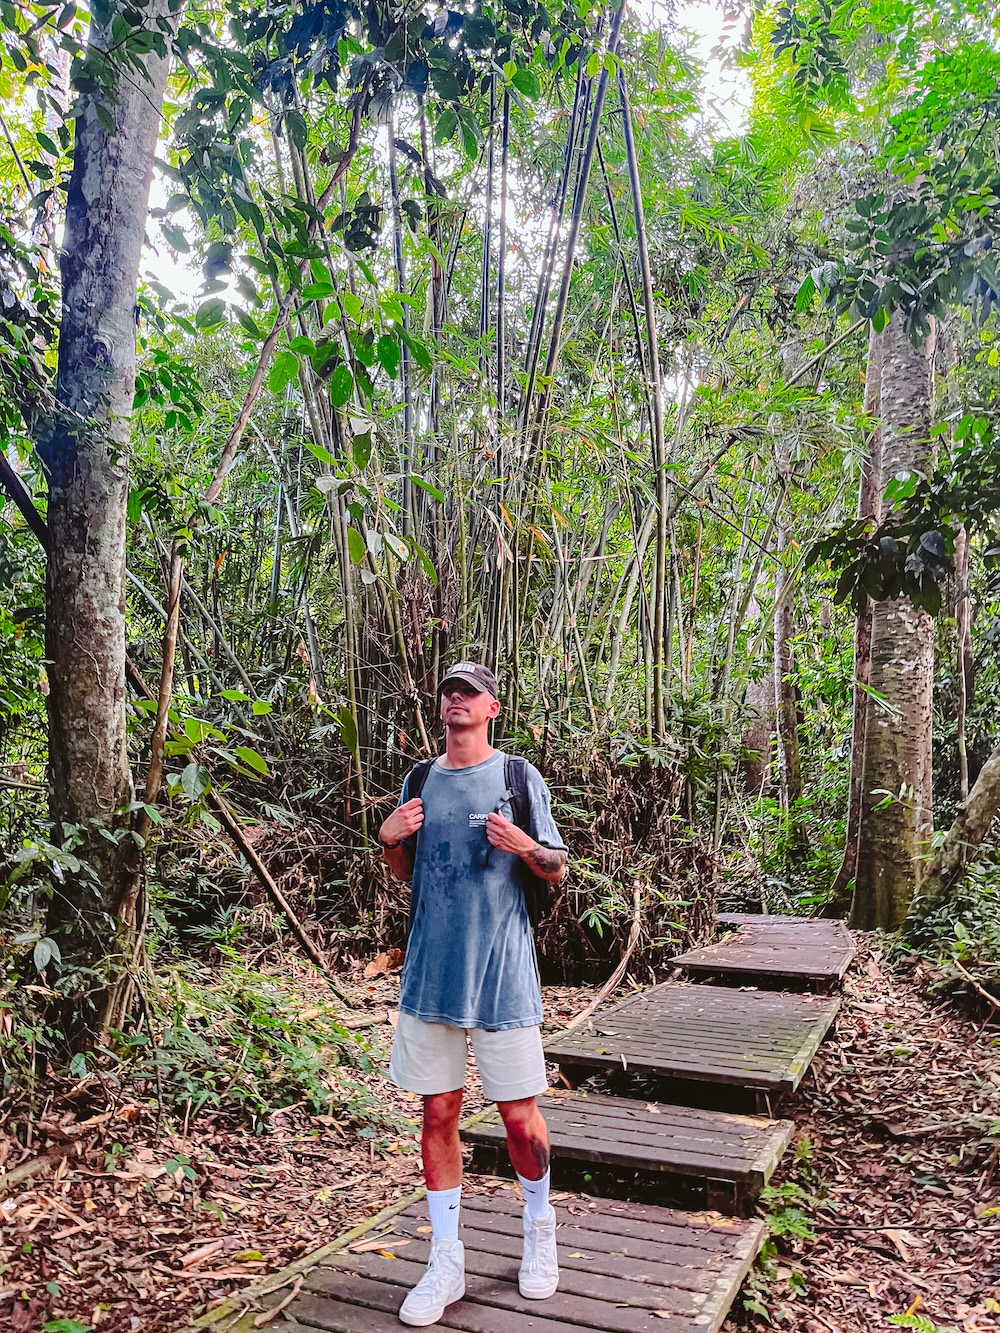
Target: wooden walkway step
<point>728,1159</point>
<point>794,949</point>
<point>625,1268</point>
<point>704,1034</point>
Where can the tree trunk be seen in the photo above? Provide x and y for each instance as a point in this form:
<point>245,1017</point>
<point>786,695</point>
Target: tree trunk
<point>83,445</point>
<point>964,659</point>
<point>972,823</point>
<point>869,506</point>
<point>896,815</point>
<point>785,695</point>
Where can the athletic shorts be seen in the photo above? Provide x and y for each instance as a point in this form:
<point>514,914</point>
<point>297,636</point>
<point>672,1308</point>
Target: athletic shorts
<point>428,1058</point>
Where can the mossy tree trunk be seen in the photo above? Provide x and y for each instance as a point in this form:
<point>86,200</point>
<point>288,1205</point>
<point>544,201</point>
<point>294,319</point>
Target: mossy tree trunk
<point>896,813</point>
<point>84,444</point>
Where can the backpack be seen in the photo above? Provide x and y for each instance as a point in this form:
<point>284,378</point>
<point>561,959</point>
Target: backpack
<point>537,891</point>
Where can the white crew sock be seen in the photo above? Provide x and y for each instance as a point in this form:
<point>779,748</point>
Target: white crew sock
<point>443,1206</point>
<point>536,1196</point>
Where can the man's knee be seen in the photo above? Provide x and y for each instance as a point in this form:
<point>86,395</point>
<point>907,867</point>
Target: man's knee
<point>522,1119</point>
<point>442,1111</point>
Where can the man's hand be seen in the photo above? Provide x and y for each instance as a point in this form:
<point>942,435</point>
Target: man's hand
<point>403,822</point>
<point>547,862</point>
<point>507,837</point>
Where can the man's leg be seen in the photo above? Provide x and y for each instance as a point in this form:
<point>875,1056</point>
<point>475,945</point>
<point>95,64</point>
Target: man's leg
<point>528,1148</point>
<point>425,1055</point>
<point>440,1145</point>
<point>527,1137</point>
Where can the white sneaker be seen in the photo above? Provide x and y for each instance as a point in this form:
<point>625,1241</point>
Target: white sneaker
<point>443,1283</point>
<point>539,1273</point>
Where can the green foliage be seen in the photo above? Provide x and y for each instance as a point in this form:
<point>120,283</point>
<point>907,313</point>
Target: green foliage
<point>965,927</point>
<point>920,1323</point>
<point>910,553</point>
<point>246,1043</point>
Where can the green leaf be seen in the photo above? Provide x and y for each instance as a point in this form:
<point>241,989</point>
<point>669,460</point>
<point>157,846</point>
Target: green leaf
<point>247,321</point>
<point>341,386</point>
<point>348,728</point>
<point>45,951</point>
<point>446,126</point>
<point>106,119</point>
<point>426,486</point>
<point>195,781</point>
<point>261,707</point>
<point>234,696</point>
<point>446,83</point>
<point>252,759</point>
<point>211,313</point>
<point>805,294</point>
<point>419,350</point>
<point>525,82</point>
<point>298,130</point>
<point>425,560</point>
<point>316,291</point>
<point>66,1326</point>
<point>388,354</point>
<point>478,33</point>
<point>357,547</point>
<point>284,369</point>
<point>361,448</point>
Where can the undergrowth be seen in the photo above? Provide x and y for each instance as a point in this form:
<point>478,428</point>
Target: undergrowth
<point>966,926</point>
<point>244,1042</point>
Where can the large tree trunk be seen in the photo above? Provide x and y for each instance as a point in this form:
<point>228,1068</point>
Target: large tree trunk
<point>896,817</point>
<point>84,449</point>
<point>869,506</point>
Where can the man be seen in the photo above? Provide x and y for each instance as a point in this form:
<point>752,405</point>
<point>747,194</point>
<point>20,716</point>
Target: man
<point>471,971</point>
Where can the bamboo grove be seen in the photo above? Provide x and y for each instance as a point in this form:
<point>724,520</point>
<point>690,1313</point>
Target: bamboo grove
<point>504,345</point>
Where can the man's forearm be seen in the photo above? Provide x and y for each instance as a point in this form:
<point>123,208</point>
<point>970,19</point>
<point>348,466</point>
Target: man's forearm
<point>547,862</point>
<point>400,861</point>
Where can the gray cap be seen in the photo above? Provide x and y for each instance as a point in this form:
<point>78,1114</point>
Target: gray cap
<point>480,677</point>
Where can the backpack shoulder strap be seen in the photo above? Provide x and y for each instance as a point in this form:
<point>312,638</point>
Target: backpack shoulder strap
<point>418,776</point>
<point>515,776</point>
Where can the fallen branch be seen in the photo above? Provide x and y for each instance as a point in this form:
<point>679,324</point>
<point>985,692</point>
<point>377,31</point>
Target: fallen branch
<point>28,1170</point>
<point>980,990</point>
<point>309,946</point>
<point>619,971</point>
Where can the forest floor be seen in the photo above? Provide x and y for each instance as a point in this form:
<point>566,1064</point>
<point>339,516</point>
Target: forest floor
<point>896,1170</point>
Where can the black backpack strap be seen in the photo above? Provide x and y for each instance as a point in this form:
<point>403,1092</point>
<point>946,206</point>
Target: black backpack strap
<point>418,776</point>
<point>515,776</point>
<point>537,891</point>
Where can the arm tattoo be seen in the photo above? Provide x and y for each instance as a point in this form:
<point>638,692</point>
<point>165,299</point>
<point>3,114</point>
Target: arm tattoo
<point>546,860</point>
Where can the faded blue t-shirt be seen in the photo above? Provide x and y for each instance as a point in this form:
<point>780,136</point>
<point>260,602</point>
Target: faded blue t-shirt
<point>470,961</point>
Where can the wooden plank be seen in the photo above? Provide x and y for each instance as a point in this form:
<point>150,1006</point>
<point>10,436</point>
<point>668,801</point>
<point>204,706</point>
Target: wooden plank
<point>771,919</point>
<point>713,1034</point>
<point>818,951</point>
<point>625,1268</point>
<point>653,1136</point>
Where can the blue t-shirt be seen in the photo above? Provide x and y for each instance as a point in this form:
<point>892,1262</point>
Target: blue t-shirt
<point>470,961</point>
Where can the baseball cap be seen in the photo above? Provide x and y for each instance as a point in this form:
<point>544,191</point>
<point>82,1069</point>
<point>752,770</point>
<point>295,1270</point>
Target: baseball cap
<point>480,677</point>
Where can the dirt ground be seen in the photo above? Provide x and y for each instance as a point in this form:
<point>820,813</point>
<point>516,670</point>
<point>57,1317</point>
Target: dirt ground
<point>141,1227</point>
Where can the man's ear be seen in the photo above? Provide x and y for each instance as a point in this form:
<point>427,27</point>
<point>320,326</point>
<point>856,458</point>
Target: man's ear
<point>494,708</point>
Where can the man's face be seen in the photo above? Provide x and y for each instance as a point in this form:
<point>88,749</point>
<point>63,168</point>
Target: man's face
<point>464,706</point>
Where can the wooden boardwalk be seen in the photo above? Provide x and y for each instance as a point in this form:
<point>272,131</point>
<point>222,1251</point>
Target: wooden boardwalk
<point>704,1034</point>
<point>625,1268</point>
<point>729,1158</point>
<point>769,947</point>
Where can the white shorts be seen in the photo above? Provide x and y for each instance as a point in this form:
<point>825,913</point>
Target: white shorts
<point>429,1058</point>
